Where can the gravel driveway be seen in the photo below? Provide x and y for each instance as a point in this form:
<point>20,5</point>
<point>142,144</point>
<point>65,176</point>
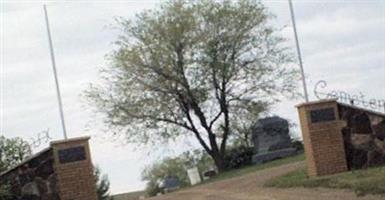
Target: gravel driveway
<point>250,187</point>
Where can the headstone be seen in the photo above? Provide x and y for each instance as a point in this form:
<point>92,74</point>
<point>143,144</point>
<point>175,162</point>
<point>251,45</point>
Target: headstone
<point>194,176</point>
<point>170,183</point>
<point>271,139</point>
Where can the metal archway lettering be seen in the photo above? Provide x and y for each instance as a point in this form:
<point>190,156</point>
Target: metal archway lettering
<point>355,99</point>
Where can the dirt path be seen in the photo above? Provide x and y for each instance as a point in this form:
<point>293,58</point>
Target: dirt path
<point>250,187</point>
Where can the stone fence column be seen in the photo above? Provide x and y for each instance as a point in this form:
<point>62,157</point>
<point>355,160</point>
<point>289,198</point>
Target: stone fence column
<point>74,169</point>
<point>322,137</point>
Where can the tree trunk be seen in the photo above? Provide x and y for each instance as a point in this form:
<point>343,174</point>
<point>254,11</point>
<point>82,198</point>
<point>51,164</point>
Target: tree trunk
<point>219,161</point>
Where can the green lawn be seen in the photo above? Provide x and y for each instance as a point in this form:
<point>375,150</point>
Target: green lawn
<point>226,175</point>
<point>362,182</point>
<point>253,168</point>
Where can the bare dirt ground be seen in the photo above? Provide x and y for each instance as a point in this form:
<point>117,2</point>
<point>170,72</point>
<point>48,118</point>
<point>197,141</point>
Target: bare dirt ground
<point>250,187</point>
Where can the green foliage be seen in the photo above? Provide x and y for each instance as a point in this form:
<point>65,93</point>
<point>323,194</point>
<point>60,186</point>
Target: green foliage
<point>243,122</point>
<point>4,193</point>
<point>102,185</point>
<point>152,188</point>
<point>193,68</point>
<point>362,182</point>
<point>252,168</point>
<point>238,157</point>
<point>297,144</point>
<point>177,166</point>
<point>155,173</point>
<point>12,152</point>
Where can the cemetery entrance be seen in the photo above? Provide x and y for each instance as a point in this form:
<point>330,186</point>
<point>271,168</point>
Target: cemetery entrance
<point>339,137</point>
<point>63,171</point>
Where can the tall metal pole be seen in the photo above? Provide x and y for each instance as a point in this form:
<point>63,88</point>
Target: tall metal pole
<point>298,52</point>
<point>55,74</point>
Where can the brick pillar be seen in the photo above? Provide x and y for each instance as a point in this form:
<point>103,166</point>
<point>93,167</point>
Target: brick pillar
<point>74,169</point>
<point>322,137</point>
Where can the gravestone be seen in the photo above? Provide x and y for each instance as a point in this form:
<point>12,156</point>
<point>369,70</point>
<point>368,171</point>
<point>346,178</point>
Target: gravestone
<point>170,183</point>
<point>193,174</point>
<point>271,139</point>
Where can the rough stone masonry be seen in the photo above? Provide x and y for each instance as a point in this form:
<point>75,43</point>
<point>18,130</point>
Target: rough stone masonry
<point>339,137</point>
<point>64,171</point>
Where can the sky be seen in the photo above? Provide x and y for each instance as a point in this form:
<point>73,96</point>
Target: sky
<point>342,42</point>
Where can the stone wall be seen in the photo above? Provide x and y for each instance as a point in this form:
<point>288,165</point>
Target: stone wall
<point>64,171</point>
<point>364,137</point>
<point>338,137</point>
<point>35,179</point>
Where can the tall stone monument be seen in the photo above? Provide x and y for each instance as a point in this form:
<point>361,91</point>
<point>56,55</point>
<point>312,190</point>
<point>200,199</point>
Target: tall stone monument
<point>271,139</point>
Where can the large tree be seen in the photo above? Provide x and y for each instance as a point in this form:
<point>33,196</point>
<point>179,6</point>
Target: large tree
<point>189,67</point>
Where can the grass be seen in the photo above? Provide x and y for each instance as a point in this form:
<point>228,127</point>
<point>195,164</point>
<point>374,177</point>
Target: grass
<point>129,196</point>
<point>362,182</point>
<point>227,174</point>
<point>253,168</point>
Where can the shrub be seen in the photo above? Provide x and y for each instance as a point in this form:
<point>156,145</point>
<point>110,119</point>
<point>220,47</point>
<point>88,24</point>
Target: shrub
<point>156,172</point>
<point>298,145</point>
<point>102,185</point>
<point>239,157</point>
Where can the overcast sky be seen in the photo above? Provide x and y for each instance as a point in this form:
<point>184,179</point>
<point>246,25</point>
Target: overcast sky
<point>343,42</point>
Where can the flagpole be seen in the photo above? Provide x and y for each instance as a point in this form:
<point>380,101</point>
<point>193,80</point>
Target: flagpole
<point>55,74</point>
<point>298,52</point>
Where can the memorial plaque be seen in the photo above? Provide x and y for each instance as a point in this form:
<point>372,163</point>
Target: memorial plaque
<point>322,115</point>
<point>72,154</point>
